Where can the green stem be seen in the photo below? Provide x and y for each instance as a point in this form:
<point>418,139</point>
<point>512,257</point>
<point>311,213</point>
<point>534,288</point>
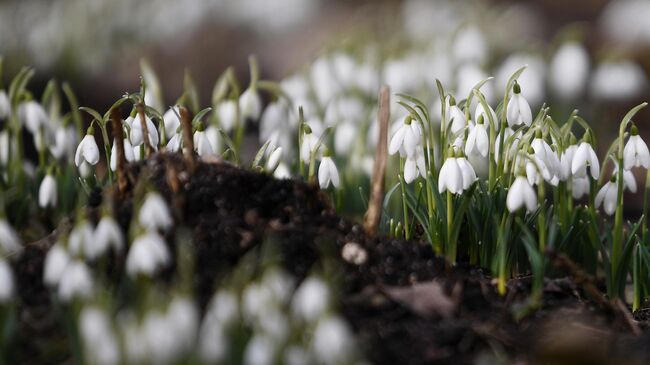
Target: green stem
<point>541,218</point>
<point>503,253</point>
<point>451,244</point>
<point>402,183</point>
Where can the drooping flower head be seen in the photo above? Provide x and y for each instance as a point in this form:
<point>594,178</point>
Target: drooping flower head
<point>518,109</point>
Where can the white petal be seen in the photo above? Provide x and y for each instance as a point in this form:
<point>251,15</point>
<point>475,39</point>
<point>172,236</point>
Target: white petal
<point>410,171</point>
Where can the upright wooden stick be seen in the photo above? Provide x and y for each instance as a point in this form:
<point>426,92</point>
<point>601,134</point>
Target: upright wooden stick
<point>373,215</point>
<point>118,136</point>
<point>145,131</point>
<point>188,140</point>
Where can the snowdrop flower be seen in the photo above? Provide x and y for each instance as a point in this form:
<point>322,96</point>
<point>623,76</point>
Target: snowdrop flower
<point>201,143</point>
<point>65,138</point>
<point>213,346</point>
<point>310,300</point>
<point>174,144</point>
<point>569,70</point>
<point>477,139</point>
<point>579,186</point>
<point>56,261</point>
<point>85,170</point>
<point>76,282</point>
<point>81,240</point>
<point>584,157</point>
<point>518,109</point>
<point>171,121</point>
<point>162,343</point>
<point>33,115</point>
<point>6,281</point>
<point>636,151</point>
<point>184,320</point>
<point>344,138</point>
<point>10,243</point>
<point>547,160</point>
<point>128,153</point>
<point>274,117</point>
<point>327,173</point>
<point>100,344</point>
<point>137,132</point>
<point>107,234</point>
<point>5,146</point>
<point>47,193</point>
<point>332,342</point>
<point>147,255</point>
<point>406,138</point>
<point>154,213</point>
<point>456,175</point>
<point>250,104</point>
<point>480,112</point>
<point>274,159</point>
<point>607,197</point>
<point>260,350</point>
<point>309,144</point>
<point>226,112</point>
<point>521,194</point>
<point>87,151</point>
<point>5,105</point>
<point>415,165</point>
<point>457,120</point>
<point>214,137</point>
<point>224,307</point>
<point>470,46</point>
<point>566,160</point>
<point>629,182</point>
<point>282,172</point>
<point>618,80</point>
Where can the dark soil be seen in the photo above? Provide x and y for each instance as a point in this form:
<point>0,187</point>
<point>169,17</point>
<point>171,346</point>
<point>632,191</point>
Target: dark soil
<point>406,305</point>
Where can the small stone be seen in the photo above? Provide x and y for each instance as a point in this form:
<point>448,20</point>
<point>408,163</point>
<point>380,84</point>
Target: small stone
<point>353,253</point>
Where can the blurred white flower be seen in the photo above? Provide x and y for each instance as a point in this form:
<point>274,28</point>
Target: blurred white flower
<point>250,104</point>
<point>5,106</point>
<point>184,322</point>
<point>65,139</point>
<point>174,144</point>
<point>311,299</point>
<point>76,282</point>
<point>308,145</point>
<point>328,173</point>
<point>569,70</point>
<point>470,46</point>
<point>226,112</point>
<point>10,243</point>
<point>6,281</point>
<point>273,160</point>
<point>137,131</point>
<point>33,116</point>
<point>333,342</point>
<point>81,240</point>
<point>275,116</point>
<point>324,83</point>
<point>128,153</point>
<point>282,172</point>
<point>213,342</point>
<point>607,197</point>
<point>224,307</point>
<point>87,151</point>
<point>260,350</point>
<point>579,186</point>
<point>108,234</point>
<point>154,213</point>
<point>345,136</point>
<point>97,335</point>
<point>521,194</point>
<point>47,192</point>
<point>202,144</point>
<point>171,121</point>
<point>56,261</point>
<point>618,80</point>
<point>161,339</point>
<point>147,254</point>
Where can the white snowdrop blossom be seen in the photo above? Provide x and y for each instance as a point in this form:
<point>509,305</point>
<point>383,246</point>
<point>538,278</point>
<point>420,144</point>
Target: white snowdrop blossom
<point>154,213</point>
<point>56,261</point>
<point>547,161</point>
<point>566,160</point>
<point>282,172</point>
<point>457,120</point>
<point>214,137</point>
<point>311,299</point>
<point>33,116</point>
<point>81,240</point>
<point>521,194</point>
<point>274,159</point>
<point>308,145</point>
<point>414,166</point>
<point>174,144</point>
<point>184,320</point>
<point>456,175</point>
<point>161,341</point>
<point>636,152</point>
<point>87,151</point>
<point>47,192</point>
<point>480,112</point>
<point>518,109</point>
<point>328,173</point>
<point>406,138</point>
<point>224,307</point>
<point>607,197</point>
<point>10,243</point>
<point>137,131</point>
<point>5,105</point>
<point>6,281</point>
<point>147,255</point>
<point>108,234</point>
<point>580,186</point>
<point>128,153</point>
<point>171,121</point>
<point>260,350</point>
<point>250,104</point>
<point>65,139</point>
<point>76,282</point>
<point>226,112</point>
<point>345,136</point>
<point>618,80</point>
<point>202,144</point>
<point>478,141</point>
<point>584,157</point>
<point>569,70</point>
<point>333,342</point>
<point>100,344</point>
<point>213,343</point>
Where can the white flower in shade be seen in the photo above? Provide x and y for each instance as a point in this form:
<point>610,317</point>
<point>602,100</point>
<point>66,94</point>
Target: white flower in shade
<point>100,344</point>
<point>275,117</point>
<point>308,145</point>
<point>618,80</point>
<point>226,112</point>
<point>579,186</point>
<point>415,165</point>
<point>521,194</point>
<point>6,281</point>
<point>607,197</point>
<point>406,138</point>
<point>184,321</point>
<point>33,116</point>
<point>250,104</point>
<point>296,355</point>
<point>636,152</point>
<point>87,151</point>
<point>547,161</point>
<point>162,343</point>
<point>128,153</point>
<point>81,240</point>
<point>518,109</point>
<point>76,282</point>
<point>511,144</point>
<point>202,144</point>
<point>584,157</point>
<point>332,342</point>
<point>457,120</point>
<point>311,299</point>
<point>10,243</point>
<point>456,175</point>
<point>154,213</point>
<point>224,307</point>
<point>147,255</point>
<point>56,261</point>
<point>478,141</point>
<point>480,164</point>
<point>569,70</point>
<point>47,193</point>
<point>108,234</point>
<point>214,137</point>
<point>629,182</point>
<point>328,173</point>
<point>213,346</point>
<point>65,139</point>
<point>282,172</point>
<point>480,111</point>
<point>5,105</point>
<point>174,144</point>
<point>566,160</point>
<point>137,131</point>
<point>172,121</point>
<point>260,350</point>
<point>85,170</point>
<point>5,147</point>
<point>274,159</point>
<point>344,138</point>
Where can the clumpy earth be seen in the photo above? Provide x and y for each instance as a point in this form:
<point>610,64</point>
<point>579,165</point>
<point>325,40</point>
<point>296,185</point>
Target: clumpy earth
<point>406,305</point>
